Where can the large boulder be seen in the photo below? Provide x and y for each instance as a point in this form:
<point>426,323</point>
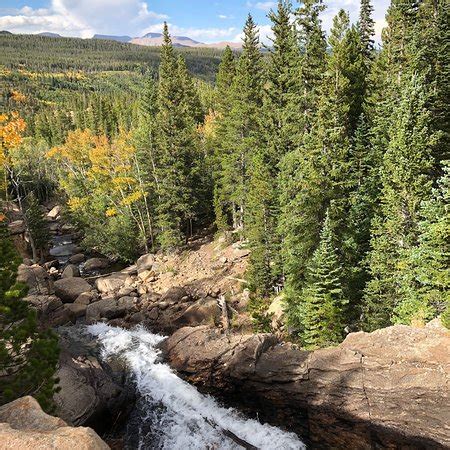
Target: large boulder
<point>23,426</point>
<point>93,264</point>
<point>110,309</point>
<point>145,262</point>
<point>70,271</point>
<point>202,312</point>
<point>44,304</point>
<point>86,297</point>
<point>54,212</point>
<point>76,309</point>
<point>275,312</point>
<point>386,389</point>
<point>68,289</point>
<point>175,294</point>
<point>50,310</point>
<point>91,392</point>
<point>36,278</point>
<point>111,283</point>
<point>78,258</point>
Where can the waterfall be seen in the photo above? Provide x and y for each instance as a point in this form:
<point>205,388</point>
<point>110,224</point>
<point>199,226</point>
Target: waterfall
<point>175,415</point>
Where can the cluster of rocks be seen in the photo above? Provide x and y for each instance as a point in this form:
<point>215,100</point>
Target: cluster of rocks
<point>122,298</point>
<point>127,298</point>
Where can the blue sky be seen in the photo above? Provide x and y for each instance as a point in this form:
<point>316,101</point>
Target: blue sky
<point>203,20</point>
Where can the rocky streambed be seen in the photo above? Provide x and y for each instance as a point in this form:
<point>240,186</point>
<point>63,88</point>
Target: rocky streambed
<point>387,389</point>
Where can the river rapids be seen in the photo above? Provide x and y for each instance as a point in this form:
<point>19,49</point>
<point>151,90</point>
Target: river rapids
<point>174,414</point>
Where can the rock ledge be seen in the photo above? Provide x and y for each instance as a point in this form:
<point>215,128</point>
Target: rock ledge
<point>386,389</point>
<point>23,426</point>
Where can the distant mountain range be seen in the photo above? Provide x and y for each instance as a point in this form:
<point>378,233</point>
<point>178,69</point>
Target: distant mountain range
<point>156,39</point>
<point>48,34</point>
<point>112,38</point>
<point>151,40</point>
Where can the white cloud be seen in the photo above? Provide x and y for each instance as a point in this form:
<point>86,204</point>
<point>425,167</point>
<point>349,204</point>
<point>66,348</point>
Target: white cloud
<point>87,17</point>
<point>202,34</point>
<point>144,13</point>
<point>82,17</point>
<point>28,20</point>
<point>379,25</point>
<point>264,6</point>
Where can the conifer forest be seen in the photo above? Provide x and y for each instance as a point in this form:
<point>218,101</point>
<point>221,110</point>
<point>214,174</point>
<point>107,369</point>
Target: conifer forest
<point>325,154</point>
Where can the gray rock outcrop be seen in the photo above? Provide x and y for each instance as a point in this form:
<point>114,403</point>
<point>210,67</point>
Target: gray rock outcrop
<point>386,389</point>
<point>91,393</point>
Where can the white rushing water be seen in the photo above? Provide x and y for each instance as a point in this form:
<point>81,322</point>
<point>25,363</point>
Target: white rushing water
<point>180,416</point>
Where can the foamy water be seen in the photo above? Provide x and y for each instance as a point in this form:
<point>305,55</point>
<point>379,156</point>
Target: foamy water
<point>180,417</point>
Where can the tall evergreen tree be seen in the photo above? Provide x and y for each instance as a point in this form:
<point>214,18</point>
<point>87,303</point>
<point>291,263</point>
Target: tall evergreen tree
<point>224,80</point>
<point>313,46</point>
<point>147,153</point>
<point>366,28</point>
<point>320,309</point>
<point>363,204</point>
<point>299,182</point>
<point>224,101</point>
<point>425,285</point>
<point>429,57</point>
<point>277,138</point>
<point>176,141</point>
<point>406,181</point>
<point>190,93</point>
<point>319,172</point>
<point>241,127</point>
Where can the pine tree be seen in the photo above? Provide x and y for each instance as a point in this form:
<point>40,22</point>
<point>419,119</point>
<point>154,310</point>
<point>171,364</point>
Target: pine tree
<point>425,285</point>
<point>319,172</point>
<point>224,80</point>
<point>313,46</point>
<point>146,156</point>
<point>397,38</point>
<point>277,137</point>
<point>430,58</point>
<point>224,101</point>
<point>320,308</point>
<point>363,205</point>
<point>406,181</point>
<point>355,70</point>
<point>176,141</point>
<point>28,356</point>
<point>200,176</point>
<point>190,94</point>
<point>366,28</point>
<point>299,181</point>
<point>282,86</point>
<point>241,128</point>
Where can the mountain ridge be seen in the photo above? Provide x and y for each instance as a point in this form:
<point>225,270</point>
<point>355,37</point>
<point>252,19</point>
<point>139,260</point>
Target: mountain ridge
<point>151,40</point>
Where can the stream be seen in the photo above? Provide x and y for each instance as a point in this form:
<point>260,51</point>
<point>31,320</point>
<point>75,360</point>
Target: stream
<point>171,413</point>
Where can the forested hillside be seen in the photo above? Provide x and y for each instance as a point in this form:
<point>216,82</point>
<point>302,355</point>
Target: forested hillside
<point>327,157</point>
<point>52,54</point>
